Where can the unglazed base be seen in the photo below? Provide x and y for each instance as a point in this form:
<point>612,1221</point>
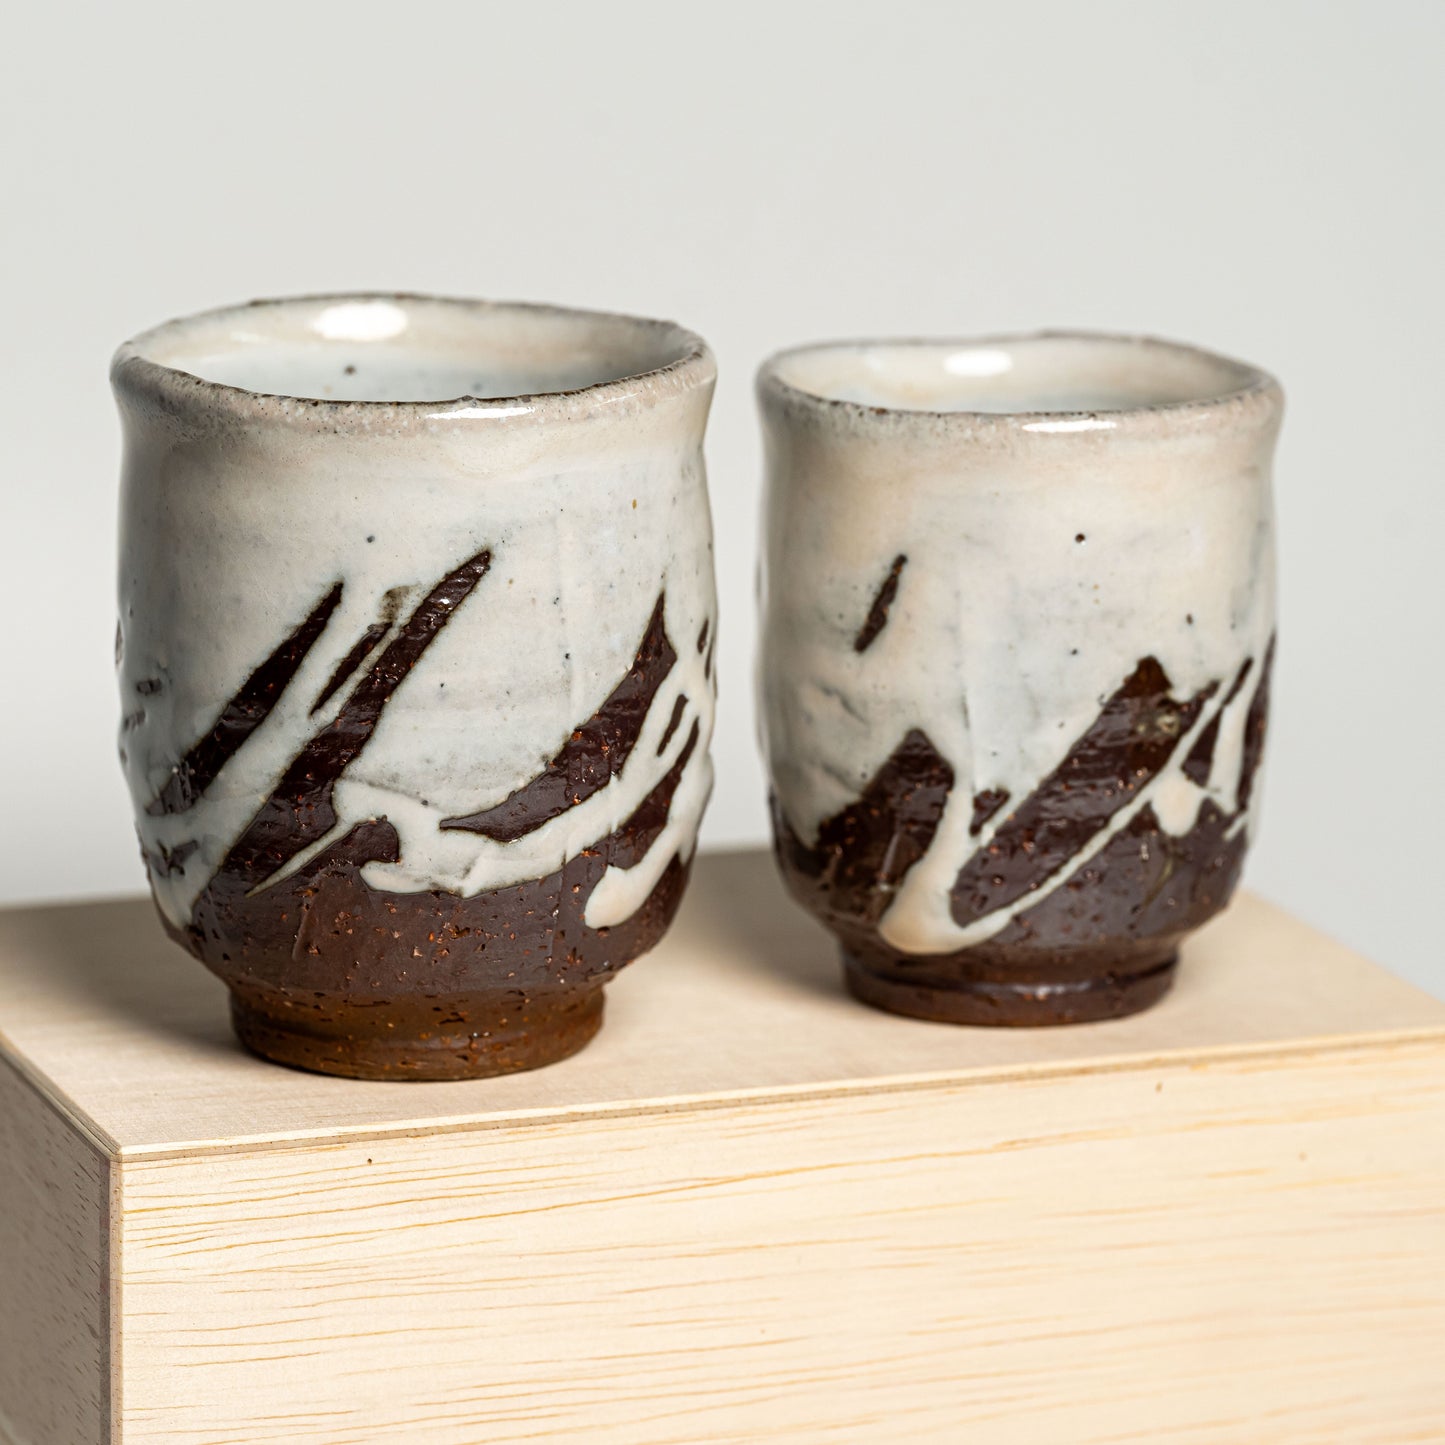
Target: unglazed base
<point>496,1039</point>
<point>1022,1004</point>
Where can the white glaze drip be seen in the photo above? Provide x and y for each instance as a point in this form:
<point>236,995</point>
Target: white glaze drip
<point>622,891</point>
<point>925,924</point>
<point>468,863</point>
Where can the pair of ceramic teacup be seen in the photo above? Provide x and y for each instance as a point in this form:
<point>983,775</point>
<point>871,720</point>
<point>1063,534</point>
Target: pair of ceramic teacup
<point>417,640</point>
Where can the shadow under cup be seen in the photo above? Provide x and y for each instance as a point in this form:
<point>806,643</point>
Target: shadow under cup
<point>1018,624</point>
<point>415,656</point>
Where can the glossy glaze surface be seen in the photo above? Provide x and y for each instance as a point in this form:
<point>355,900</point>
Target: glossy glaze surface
<point>351,628</point>
<point>977,613</point>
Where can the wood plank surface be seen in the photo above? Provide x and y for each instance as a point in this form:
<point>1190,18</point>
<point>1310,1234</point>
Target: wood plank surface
<point>55,1294</point>
<point>751,1210</point>
<point>1243,1249</point>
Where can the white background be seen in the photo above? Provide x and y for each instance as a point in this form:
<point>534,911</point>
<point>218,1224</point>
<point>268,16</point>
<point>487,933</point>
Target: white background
<point>1263,178</point>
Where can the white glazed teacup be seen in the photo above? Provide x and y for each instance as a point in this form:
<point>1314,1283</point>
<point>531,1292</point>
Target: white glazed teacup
<point>1018,620</point>
<point>415,652</point>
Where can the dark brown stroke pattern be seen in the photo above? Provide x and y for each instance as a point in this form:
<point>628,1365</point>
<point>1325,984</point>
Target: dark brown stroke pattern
<point>877,617</point>
<point>1144,880</point>
<point>299,811</point>
<point>592,755</point>
<point>863,852</point>
<point>243,714</point>
<point>1255,723</point>
<point>1121,752</point>
<point>361,649</point>
<point>1200,762</point>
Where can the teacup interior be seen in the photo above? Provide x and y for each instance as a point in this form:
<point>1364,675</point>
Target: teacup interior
<point>412,349</point>
<point>1045,373</point>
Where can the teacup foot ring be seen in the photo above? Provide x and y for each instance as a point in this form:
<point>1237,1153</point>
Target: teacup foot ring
<point>472,1041</point>
<point>1024,1003</point>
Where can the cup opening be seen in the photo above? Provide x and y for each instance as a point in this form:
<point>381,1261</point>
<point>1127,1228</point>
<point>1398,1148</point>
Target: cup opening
<point>408,349</point>
<point>1056,373</point>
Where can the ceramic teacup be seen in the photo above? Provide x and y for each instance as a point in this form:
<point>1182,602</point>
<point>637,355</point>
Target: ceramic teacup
<point>1018,621</point>
<point>415,653</point>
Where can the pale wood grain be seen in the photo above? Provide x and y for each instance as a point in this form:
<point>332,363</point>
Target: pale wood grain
<point>742,997</point>
<point>55,1298</point>
<point>1237,1251</point>
<point>752,1210</point>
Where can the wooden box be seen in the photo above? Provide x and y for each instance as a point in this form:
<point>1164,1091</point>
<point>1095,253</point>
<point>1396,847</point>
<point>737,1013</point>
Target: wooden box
<point>752,1210</point>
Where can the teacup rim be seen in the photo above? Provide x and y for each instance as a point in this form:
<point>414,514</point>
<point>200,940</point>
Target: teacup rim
<point>133,371</point>
<point>1258,395</point>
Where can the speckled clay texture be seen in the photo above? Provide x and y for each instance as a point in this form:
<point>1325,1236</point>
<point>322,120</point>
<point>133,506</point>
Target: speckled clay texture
<point>415,656</point>
<point>1018,620</point>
